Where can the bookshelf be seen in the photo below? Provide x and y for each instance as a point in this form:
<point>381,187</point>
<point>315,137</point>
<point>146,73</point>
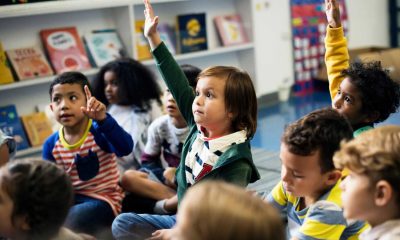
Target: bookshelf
<point>268,64</point>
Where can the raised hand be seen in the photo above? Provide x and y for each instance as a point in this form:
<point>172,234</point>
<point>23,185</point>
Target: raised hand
<point>150,25</point>
<point>333,13</point>
<point>95,109</point>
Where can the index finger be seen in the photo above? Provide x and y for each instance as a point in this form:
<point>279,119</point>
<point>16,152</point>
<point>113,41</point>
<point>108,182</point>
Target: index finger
<point>148,8</point>
<point>87,92</point>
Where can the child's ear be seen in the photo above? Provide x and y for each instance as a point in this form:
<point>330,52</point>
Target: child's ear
<point>22,223</point>
<point>333,176</point>
<point>51,107</point>
<point>383,193</point>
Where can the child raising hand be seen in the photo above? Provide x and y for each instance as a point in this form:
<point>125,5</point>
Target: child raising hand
<point>222,117</point>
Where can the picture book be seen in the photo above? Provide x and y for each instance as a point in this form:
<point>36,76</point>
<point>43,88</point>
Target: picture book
<point>10,124</point>
<point>65,49</point>
<point>37,127</point>
<point>29,62</point>
<point>45,107</point>
<point>142,46</point>
<point>230,29</point>
<point>192,32</point>
<point>5,70</point>
<point>104,46</point>
<point>167,35</point>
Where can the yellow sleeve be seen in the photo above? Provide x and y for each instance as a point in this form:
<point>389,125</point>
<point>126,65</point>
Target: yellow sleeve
<point>336,57</point>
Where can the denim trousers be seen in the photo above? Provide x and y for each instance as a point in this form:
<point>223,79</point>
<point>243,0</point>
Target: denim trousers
<point>140,226</point>
<point>89,215</point>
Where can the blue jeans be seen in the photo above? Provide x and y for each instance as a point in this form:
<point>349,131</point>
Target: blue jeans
<point>140,226</point>
<point>89,215</point>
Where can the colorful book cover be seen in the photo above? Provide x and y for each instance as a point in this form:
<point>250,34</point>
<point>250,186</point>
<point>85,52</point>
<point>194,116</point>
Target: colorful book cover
<point>230,29</point>
<point>37,127</point>
<point>29,62</point>
<point>192,32</point>
<point>104,46</point>
<point>142,46</point>
<point>65,49</point>
<point>5,70</point>
<point>167,35</point>
<point>11,126</point>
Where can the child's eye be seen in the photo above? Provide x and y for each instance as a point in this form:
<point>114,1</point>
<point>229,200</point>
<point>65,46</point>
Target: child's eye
<point>297,175</point>
<point>209,95</point>
<point>347,99</point>
<point>55,99</point>
<point>73,98</point>
<point>197,93</point>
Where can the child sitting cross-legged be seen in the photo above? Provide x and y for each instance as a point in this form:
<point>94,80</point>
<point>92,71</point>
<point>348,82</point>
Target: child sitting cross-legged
<point>86,147</point>
<point>308,193</point>
<point>371,191</point>
<point>166,136</point>
<point>222,118</point>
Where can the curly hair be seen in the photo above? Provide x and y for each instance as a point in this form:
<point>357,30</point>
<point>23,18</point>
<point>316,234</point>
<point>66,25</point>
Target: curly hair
<point>240,96</point>
<point>40,191</point>
<point>137,84</point>
<point>375,154</point>
<point>321,130</point>
<point>379,93</point>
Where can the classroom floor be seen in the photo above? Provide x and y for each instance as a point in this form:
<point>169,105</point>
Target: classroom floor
<point>271,122</point>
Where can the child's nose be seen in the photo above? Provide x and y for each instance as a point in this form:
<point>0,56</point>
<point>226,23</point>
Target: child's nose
<point>337,102</point>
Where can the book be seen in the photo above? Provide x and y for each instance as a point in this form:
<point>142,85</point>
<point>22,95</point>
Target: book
<point>65,49</point>
<point>29,62</point>
<point>104,46</point>
<point>10,124</point>
<point>141,44</point>
<point>45,107</point>
<point>5,70</point>
<point>230,29</point>
<point>37,127</point>
<point>192,32</point>
<point>167,35</point>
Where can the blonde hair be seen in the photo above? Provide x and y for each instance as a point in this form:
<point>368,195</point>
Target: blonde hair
<point>217,210</point>
<point>240,96</point>
<point>375,153</point>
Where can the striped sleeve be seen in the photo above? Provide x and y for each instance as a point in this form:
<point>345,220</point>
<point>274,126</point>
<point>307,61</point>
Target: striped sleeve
<point>277,197</point>
<point>324,220</point>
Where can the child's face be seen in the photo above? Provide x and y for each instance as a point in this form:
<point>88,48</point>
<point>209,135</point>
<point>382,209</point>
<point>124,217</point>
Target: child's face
<point>111,87</point>
<point>357,196</point>
<point>208,107</point>
<point>66,103</point>
<point>170,105</point>
<point>301,175</point>
<point>348,103</point>
<point>7,228</point>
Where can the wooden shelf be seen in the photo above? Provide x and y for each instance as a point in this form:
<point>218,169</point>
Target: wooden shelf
<point>37,81</point>
<point>210,52</point>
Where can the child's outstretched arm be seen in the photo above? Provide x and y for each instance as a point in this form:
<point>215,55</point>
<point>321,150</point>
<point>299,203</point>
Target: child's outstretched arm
<point>336,55</point>
<point>170,70</point>
<point>150,26</point>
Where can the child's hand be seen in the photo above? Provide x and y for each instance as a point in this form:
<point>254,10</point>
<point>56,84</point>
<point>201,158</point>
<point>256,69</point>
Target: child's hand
<point>162,234</point>
<point>169,175</point>
<point>150,25</point>
<point>333,13</point>
<point>94,108</point>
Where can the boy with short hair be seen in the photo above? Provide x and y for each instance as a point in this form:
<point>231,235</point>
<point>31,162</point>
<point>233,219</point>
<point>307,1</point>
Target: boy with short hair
<point>86,147</point>
<point>371,192</point>
<point>363,92</point>
<point>309,188</point>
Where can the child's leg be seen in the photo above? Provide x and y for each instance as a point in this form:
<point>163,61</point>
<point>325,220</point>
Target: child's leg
<point>89,215</point>
<point>140,226</point>
<point>139,183</point>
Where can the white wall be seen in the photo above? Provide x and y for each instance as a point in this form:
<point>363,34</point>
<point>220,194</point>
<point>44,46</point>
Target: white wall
<point>368,23</point>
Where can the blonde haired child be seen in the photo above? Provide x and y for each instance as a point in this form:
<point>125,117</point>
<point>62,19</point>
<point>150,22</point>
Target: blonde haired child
<point>217,210</point>
<point>222,117</point>
<point>371,192</point>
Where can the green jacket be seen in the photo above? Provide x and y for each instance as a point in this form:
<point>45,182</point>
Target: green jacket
<point>236,164</point>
